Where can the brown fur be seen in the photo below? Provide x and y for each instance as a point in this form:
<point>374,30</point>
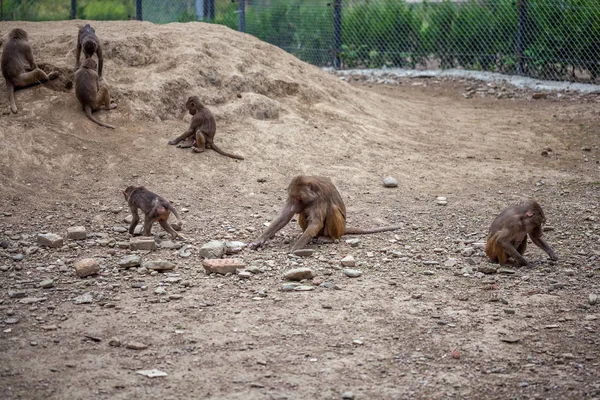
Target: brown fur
<point>509,231</point>
<point>90,44</point>
<point>16,56</point>
<point>154,207</point>
<point>203,126</point>
<point>90,92</point>
<point>321,212</point>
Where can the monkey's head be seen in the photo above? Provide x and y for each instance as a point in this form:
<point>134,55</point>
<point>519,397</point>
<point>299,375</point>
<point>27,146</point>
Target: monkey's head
<point>89,63</point>
<point>89,47</point>
<point>17,33</point>
<point>302,191</point>
<point>534,217</point>
<point>127,192</point>
<point>193,104</point>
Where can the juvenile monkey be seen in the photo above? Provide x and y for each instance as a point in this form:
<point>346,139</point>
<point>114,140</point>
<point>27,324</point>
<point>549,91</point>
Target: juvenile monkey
<point>321,209</point>
<point>154,207</point>
<point>203,126</point>
<point>508,233</point>
<point>18,54</point>
<point>91,93</point>
<point>89,43</point>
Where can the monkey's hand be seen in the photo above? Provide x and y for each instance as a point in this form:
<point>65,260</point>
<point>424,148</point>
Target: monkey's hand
<point>173,142</point>
<point>255,245</point>
<point>553,257</point>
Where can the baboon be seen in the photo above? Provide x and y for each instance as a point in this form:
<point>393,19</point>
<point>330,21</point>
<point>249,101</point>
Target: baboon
<point>91,93</point>
<point>508,233</point>
<point>89,42</point>
<point>321,212</point>
<point>154,207</point>
<point>203,126</point>
<point>16,55</point>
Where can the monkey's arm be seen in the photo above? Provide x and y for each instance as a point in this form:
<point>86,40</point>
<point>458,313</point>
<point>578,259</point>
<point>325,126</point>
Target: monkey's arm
<point>100,62</point>
<point>29,57</point>
<point>310,232</point>
<point>282,220</point>
<point>78,54</point>
<point>135,218</point>
<point>541,243</point>
<point>511,250</point>
<point>189,132</point>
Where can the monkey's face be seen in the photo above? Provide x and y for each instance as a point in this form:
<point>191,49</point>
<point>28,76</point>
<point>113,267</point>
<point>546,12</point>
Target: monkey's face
<point>192,108</point>
<point>302,194</point>
<point>89,47</point>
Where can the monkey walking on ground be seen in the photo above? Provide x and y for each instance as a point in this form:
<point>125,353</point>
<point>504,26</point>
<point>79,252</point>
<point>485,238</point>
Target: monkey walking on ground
<point>509,231</point>
<point>202,128</point>
<point>16,55</point>
<point>90,44</point>
<point>91,93</point>
<point>321,209</point>
<point>154,207</point>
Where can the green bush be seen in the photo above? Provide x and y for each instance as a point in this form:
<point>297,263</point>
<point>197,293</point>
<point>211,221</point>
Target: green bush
<point>107,10</point>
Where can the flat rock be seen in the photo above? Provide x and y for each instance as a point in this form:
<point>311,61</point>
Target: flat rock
<point>32,300</point>
<point>85,298</point>
<point>76,233</point>
<point>353,242</point>
<point>167,244</point>
<point>16,294</point>
<point>234,247</point>
<point>142,243</point>
<point>49,327</point>
<point>136,346</point>
<point>222,265</point>
<point>510,339</point>
<point>303,288</point>
<point>348,396</point>
<point>50,240</point>
<point>303,252</point>
<point>506,271</point>
<point>348,261</point>
<point>86,267</point>
<point>390,182</point>
<point>244,274</point>
<point>47,284</point>
<point>114,342</point>
<point>130,261</point>
<point>11,321</point>
<point>297,274</point>
<point>352,273</point>
<point>212,249</point>
<point>158,265</point>
<point>151,373</point>
<point>290,287</point>
<point>128,219</point>
<point>593,299</point>
<point>18,257</point>
<point>487,269</point>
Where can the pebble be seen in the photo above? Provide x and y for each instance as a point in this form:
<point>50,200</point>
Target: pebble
<point>467,252</point>
<point>4,268</point>
<point>136,346</point>
<point>175,297</point>
<point>16,294</point>
<point>467,270</point>
<point>50,240</point>
<point>590,318</point>
<point>299,274</point>
<point>428,272</point>
<point>158,265</point>
<point>86,267</point>
<point>212,249</point>
<point>352,273</point>
<point>185,251</point>
<point>128,219</point>
<point>430,262</point>
<point>160,290</point>
<point>593,299</point>
<point>348,396</point>
<point>289,287</point>
<point>234,247</point>
<point>47,284</point>
<point>11,321</point>
<point>244,274</point>
<point>569,272</point>
<point>510,339</point>
<point>114,342</point>
<point>85,298</point>
<point>18,257</point>
<point>441,201</point>
<point>348,261</point>
<point>487,269</point>
<point>507,271</point>
<point>353,242</point>
<point>167,244</point>
<point>303,288</point>
<point>304,252</point>
<point>76,233</point>
<point>49,327</point>
<point>120,229</point>
<point>390,182</point>
<point>509,311</point>
<point>32,300</point>
<point>130,261</point>
<point>142,243</point>
<point>223,265</point>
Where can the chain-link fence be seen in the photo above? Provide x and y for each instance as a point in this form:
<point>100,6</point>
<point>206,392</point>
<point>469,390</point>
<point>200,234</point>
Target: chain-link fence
<point>550,39</point>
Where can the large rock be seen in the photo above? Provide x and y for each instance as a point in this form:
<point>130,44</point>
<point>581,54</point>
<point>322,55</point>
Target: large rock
<point>142,243</point>
<point>86,267</point>
<point>212,249</point>
<point>158,265</point>
<point>50,240</point>
<point>76,233</point>
<point>298,274</point>
<point>223,265</point>
<point>129,261</point>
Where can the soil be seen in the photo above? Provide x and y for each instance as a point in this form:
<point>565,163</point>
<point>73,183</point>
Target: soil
<point>421,321</point>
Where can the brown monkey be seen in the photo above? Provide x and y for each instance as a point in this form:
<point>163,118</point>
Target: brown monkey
<point>17,54</point>
<point>203,126</point>
<point>322,212</point>
<point>508,233</point>
<point>90,92</point>
<point>88,41</point>
<point>154,207</point>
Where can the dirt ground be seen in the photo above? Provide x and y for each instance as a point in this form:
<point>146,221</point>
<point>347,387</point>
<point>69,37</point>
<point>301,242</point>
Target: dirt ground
<point>422,321</point>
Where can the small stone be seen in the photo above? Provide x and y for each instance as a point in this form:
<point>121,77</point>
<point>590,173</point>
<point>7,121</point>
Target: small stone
<point>47,284</point>
<point>152,373</point>
<point>506,271</point>
<point>303,288</point>
<point>348,396</point>
<point>304,252</point>
<point>160,290</point>
<point>175,297</point>
<point>76,233</point>
<point>487,269</point>
<point>50,240</point>
<point>85,298</point>
<point>222,265</point>
<point>348,261</point>
<point>352,273</point>
<point>390,182</point>
<point>11,321</point>
<point>539,95</point>
<point>16,294</point>
<point>136,346</point>
<point>428,272</point>
<point>430,262</point>
<point>128,219</point>
<point>114,342</point>
<point>142,243</point>
<point>509,311</point>
<point>18,257</point>
<point>120,229</point>
<point>130,261</point>
<point>32,300</point>
<point>185,251</point>
<point>49,327</point>
<point>289,287</point>
<point>212,249</point>
<point>298,274</point>
<point>158,265</point>
<point>467,252</point>
<point>467,270</point>
<point>592,299</point>
<point>244,274</point>
<point>234,247</point>
<point>353,242</point>
<point>167,244</point>
<point>569,272</point>
<point>86,267</point>
<point>510,339</point>
<point>590,318</point>
<point>451,262</point>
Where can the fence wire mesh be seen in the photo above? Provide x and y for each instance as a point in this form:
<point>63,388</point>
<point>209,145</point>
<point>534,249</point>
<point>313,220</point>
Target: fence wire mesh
<point>549,39</point>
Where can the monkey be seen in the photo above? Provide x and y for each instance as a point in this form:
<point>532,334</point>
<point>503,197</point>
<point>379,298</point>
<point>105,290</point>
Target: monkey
<point>508,234</point>
<point>321,212</point>
<point>90,92</point>
<point>154,207</point>
<point>16,55</point>
<point>203,126</point>
<point>90,44</point>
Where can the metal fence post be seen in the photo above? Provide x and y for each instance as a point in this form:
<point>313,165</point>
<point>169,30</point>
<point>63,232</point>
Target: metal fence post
<point>138,10</point>
<point>521,36</point>
<point>209,10</point>
<point>242,16</point>
<point>73,9</point>
<point>337,33</point>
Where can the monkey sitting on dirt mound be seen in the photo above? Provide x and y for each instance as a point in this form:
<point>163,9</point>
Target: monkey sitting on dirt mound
<point>508,233</point>
<point>91,93</point>
<point>321,209</point>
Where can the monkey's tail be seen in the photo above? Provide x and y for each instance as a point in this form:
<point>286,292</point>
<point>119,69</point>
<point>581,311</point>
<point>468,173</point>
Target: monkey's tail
<point>88,112</point>
<point>359,231</point>
<point>218,150</point>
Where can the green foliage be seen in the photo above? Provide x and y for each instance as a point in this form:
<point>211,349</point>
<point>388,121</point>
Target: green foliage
<point>106,10</point>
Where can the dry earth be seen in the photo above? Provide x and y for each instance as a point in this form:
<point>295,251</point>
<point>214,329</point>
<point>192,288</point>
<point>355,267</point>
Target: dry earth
<point>421,321</point>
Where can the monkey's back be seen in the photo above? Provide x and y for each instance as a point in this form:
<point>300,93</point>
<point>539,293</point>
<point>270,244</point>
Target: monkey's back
<point>86,86</point>
<point>13,58</point>
<point>206,122</point>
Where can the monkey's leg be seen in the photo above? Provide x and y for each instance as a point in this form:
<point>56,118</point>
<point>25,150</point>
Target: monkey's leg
<point>501,256</point>
<point>335,223</point>
<point>11,97</point>
<point>148,225</point>
<point>302,222</point>
<point>512,251</point>
<point>200,143</point>
<point>184,135</point>
<point>311,231</point>
<point>135,218</point>
<point>541,243</point>
<point>523,246</point>
<point>189,142</point>
<point>36,76</point>
<point>167,227</point>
